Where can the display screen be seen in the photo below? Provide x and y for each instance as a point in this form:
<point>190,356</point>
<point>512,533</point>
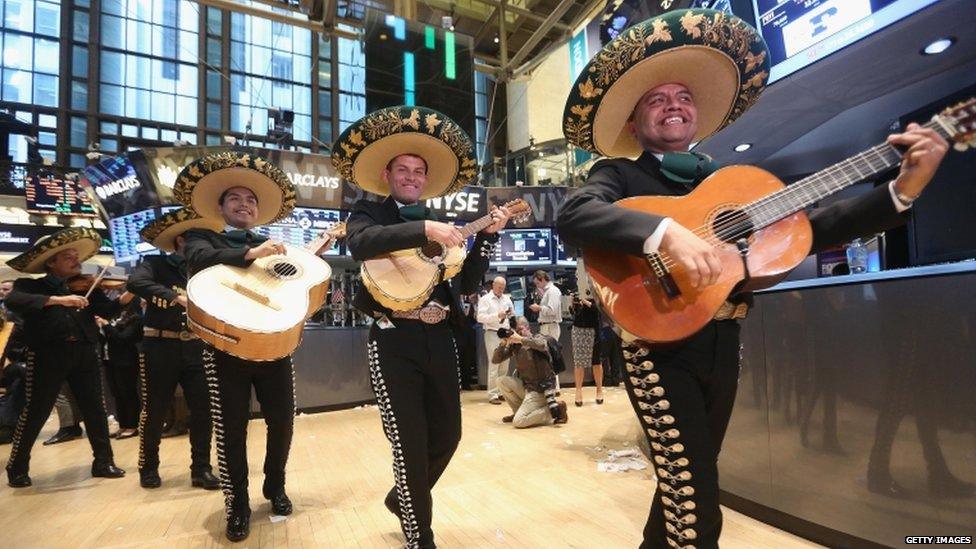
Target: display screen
<point>47,194</point>
<point>523,247</point>
<point>561,257</point>
<point>799,32</point>
<point>302,226</point>
<point>410,63</point>
<point>117,186</point>
<point>126,242</point>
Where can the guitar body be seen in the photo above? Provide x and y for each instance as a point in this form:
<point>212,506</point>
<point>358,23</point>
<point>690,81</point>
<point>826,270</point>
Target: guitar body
<point>258,313</point>
<point>404,279</point>
<point>630,291</point>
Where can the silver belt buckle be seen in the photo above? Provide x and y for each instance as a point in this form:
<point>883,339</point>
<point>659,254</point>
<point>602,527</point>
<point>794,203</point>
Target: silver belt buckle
<point>432,314</point>
<point>185,335</point>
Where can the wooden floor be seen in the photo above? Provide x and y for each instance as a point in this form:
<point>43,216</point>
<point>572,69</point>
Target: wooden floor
<point>504,488</point>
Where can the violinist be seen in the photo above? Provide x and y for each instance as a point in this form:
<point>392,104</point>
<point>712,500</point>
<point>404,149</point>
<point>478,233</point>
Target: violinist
<point>62,345</point>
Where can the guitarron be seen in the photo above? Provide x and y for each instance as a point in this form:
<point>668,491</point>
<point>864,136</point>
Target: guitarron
<point>404,279</point>
<point>258,312</point>
<point>757,225</point>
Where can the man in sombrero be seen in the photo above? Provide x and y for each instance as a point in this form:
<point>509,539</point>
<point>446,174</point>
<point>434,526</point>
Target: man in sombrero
<point>62,345</point>
<point>241,191</point>
<point>661,86</point>
<point>173,354</point>
<point>410,154</point>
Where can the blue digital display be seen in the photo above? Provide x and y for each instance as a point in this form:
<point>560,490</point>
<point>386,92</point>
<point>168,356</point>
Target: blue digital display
<point>523,247</point>
<point>127,245</point>
<point>302,226</point>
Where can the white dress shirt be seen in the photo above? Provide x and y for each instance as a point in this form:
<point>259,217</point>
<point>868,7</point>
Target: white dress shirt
<point>551,304</point>
<point>488,308</point>
<point>653,242</point>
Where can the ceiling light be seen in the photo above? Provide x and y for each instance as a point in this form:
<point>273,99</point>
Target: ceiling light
<point>496,38</point>
<point>742,147</point>
<point>938,46</point>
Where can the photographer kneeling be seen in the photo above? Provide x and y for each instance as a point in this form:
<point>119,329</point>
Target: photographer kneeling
<point>532,391</point>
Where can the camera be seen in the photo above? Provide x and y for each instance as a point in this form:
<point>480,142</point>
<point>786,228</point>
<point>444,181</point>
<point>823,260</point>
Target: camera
<point>505,333</point>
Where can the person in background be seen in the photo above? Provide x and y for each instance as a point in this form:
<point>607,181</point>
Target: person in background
<point>586,344</point>
<point>494,310</point>
<point>531,392</point>
<point>122,337</point>
<point>549,308</point>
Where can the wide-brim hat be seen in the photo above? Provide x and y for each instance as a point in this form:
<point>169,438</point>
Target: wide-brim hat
<point>720,58</point>
<point>367,146</point>
<point>162,232</point>
<point>201,183</point>
<point>84,240</point>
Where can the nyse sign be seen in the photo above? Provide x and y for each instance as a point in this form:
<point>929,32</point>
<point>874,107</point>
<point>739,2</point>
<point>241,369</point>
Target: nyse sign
<point>467,204</point>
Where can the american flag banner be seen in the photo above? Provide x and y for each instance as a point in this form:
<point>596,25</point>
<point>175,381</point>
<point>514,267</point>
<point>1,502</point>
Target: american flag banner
<point>337,296</point>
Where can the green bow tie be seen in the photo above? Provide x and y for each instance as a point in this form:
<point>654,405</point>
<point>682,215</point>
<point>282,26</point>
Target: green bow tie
<point>417,212</point>
<point>241,238</point>
<point>687,168</point>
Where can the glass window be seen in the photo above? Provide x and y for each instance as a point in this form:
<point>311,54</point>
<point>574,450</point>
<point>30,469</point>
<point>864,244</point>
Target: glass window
<point>213,139</point>
<point>163,107</point>
<point>167,135</point>
<point>47,121</point>
<point>48,20</point>
<point>111,30</point>
<point>112,68</point>
<point>129,130</point>
<point>81,26</point>
<point>214,82</point>
<point>150,133</point>
<point>18,51</point>
<point>215,21</point>
<point>186,110</point>
<point>77,161</point>
<point>325,103</point>
<point>110,99</point>
<point>213,52</point>
<point>79,132</point>
<point>79,96</point>
<point>17,86</point>
<point>79,61</point>
<point>19,14</point>
<point>108,127</point>
<point>325,130</point>
<point>47,138</point>
<point>213,116</point>
<point>189,137</point>
<point>109,145</point>
<point>188,50</point>
<point>46,55</point>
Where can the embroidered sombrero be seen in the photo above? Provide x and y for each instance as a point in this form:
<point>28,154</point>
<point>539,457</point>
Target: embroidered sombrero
<point>162,232</point>
<point>84,240</point>
<point>363,151</point>
<point>201,183</point>
<point>722,60</point>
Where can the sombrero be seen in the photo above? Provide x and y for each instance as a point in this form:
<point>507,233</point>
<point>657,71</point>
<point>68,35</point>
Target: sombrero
<point>363,151</point>
<point>722,60</point>
<point>84,240</point>
<point>201,183</point>
<point>162,232</point>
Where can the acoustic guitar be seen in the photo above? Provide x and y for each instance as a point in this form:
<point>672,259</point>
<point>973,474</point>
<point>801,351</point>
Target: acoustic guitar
<point>404,279</point>
<point>756,223</point>
<point>258,312</point>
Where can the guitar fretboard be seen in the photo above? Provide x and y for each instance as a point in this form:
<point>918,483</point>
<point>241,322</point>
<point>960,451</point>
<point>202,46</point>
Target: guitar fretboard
<point>824,183</point>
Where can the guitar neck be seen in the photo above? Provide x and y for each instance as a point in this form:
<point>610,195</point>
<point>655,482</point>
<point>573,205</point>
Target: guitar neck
<point>477,225</point>
<point>824,183</point>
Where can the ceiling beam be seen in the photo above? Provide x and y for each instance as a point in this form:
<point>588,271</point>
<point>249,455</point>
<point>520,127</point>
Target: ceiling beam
<point>524,13</point>
<point>539,34</point>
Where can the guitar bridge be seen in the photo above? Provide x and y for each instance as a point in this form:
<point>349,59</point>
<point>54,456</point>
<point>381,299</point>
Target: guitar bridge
<point>252,294</point>
<point>663,275</point>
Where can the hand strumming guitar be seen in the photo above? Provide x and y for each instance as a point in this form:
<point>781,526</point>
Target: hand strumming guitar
<point>443,233</point>
<point>181,301</point>
<point>692,254</point>
<point>268,247</point>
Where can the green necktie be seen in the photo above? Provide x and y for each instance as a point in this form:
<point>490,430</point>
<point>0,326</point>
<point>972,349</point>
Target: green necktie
<point>687,168</point>
<point>240,238</point>
<point>417,212</point>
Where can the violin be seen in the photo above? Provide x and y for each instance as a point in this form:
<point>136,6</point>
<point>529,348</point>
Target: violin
<point>81,284</point>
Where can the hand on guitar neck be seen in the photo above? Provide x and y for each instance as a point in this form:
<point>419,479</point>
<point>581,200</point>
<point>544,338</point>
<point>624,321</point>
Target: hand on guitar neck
<point>925,150</point>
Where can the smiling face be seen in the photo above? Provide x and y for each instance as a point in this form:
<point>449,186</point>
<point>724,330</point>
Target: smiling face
<point>665,119</point>
<point>239,207</point>
<point>406,176</point>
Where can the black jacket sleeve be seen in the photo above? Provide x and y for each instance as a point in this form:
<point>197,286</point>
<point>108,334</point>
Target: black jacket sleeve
<point>589,217</point>
<point>102,306</point>
<point>367,237</point>
<point>201,253</point>
<point>130,332</point>
<point>476,263</point>
<point>142,282</point>
<point>848,219</point>
<point>22,300</point>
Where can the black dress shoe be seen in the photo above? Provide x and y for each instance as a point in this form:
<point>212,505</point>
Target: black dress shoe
<point>392,502</point>
<point>884,485</point>
<point>106,470</point>
<point>149,479</point>
<point>281,504</point>
<point>18,480</point>
<point>64,435</point>
<point>205,480</point>
<point>508,419</point>
<point>238,526</point>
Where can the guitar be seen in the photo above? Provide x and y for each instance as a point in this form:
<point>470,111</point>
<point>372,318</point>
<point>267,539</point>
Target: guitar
<point>404,279</point>
<point>756,223</point>
<point>258,312</point>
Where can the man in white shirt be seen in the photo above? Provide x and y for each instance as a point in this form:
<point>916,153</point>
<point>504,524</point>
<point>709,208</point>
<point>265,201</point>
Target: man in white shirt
<point>494,309</point>
<point>549,308</point>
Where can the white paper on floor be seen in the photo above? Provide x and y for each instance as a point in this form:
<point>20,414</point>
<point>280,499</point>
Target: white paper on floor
<point>618,461</point>
<point>277,518</point>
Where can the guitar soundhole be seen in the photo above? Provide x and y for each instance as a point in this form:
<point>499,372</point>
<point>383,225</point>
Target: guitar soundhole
<point>284,270</point>
<point>432,250</point>
<point>731,225</point>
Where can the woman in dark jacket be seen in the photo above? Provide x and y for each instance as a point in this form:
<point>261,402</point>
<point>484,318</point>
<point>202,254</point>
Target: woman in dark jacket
<point>586,345</point>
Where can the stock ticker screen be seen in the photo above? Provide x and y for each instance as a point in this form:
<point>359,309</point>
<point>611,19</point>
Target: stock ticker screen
<point>47,194</point>
<point>523,247</point>
<point>302,226</point>
<point>126,242</point>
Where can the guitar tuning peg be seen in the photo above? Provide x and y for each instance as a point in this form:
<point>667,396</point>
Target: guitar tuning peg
<point>962,146</point>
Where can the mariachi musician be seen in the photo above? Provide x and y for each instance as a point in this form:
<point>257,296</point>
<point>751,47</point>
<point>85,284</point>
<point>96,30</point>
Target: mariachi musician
<point>686,75</point>
<point>409,154</point>
<point>62,345</point>
<point>173,354</point>
<point>242,191</point>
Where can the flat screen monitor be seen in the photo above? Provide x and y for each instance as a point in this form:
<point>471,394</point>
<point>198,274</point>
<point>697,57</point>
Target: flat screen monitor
<point>799,33</point>
<point>51,194</point>
<point>523,248</point>
<point>127,245</point>
<point>301,226</point>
